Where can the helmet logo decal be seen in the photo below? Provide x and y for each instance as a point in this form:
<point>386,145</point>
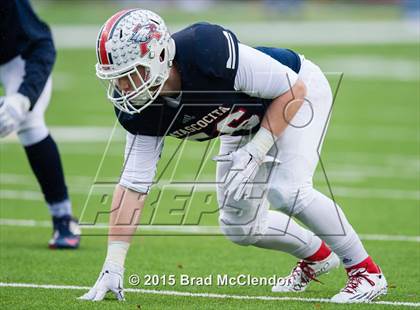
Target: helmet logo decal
<point>143,34</point>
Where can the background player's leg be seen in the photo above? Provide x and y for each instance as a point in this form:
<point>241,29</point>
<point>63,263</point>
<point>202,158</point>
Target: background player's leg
<point>43,156</point>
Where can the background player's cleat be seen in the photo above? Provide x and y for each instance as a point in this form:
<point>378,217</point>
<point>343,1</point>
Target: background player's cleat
<point>66,233</point>
<point>304,273</point>
<point>362,287</point>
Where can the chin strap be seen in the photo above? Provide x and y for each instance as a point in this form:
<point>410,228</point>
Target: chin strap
<point>173,102</point>
<point>261,143</point>
<point>171,52</point>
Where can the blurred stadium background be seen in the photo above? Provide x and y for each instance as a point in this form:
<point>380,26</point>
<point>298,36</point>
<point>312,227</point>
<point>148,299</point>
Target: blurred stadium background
<point>371,152</point>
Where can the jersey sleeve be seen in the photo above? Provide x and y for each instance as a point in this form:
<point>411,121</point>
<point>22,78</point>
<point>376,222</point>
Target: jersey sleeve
<point>142,154</point>
<point>216,51</point>
<point>37,50</point>
<point>262,76</point>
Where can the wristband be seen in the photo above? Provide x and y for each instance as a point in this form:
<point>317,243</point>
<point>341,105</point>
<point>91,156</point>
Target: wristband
<point>117,251</point>
<point>262,142</point>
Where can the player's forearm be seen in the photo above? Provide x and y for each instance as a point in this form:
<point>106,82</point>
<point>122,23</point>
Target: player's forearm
<point>276,119</point>
<point>127,206</point>
<point>124,218</point>
<point>281,111</point>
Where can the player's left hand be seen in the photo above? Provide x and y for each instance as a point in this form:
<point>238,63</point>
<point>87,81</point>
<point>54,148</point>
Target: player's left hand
<point>243,171</point>
<point>13,109</point>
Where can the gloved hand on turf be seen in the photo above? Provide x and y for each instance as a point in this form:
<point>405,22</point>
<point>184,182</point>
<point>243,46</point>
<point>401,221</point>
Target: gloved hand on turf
<point>13,109</point>
<point>110,279</point>
<point>246,162</point>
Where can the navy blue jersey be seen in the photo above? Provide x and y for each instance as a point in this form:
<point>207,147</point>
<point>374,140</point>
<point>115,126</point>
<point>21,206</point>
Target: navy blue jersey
<point>22,33</point>
<point>207,60</point>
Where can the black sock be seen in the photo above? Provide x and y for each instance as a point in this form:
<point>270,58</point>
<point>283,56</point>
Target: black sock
<point>44,159</point>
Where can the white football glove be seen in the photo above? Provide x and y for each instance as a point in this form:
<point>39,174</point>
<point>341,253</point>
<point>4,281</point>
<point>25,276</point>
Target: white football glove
<point>110,279</point>
<point>243,171</point>
<point>13,109</point>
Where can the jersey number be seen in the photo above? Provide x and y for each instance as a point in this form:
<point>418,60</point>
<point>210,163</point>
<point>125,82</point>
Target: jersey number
<point>235,122</point>
<point>231,123</point>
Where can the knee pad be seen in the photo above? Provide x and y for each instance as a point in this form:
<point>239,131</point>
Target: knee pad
<point>29,135</point>
<point>290,199</point>
<point>238,233</point>
<point>242,226</point>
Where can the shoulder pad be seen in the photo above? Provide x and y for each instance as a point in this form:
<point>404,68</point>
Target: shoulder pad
<point>216,50</point>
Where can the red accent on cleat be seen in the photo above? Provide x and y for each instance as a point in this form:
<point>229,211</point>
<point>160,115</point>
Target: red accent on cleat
<point>367,264</point>
<point>72,242</point>
<point>322,253</point>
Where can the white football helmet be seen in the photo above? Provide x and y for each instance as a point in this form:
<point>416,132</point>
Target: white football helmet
<point>135,45</point>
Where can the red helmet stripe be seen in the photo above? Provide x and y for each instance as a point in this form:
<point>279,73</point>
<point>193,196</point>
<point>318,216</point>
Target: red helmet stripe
<point>98,56</point>
<point>104,36</point>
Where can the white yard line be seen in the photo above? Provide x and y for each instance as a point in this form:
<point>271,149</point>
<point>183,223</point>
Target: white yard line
<point>78,134</point>
<point>382,193</point>
<point>357,66</point>
<point>200,295</point>
<point>26,179</point>
<point>187,229</point>
<point>376,237</point>
<point>338,191</point>
<point>6,194</point>
<point>89,134</point>
<point>273,33</point>
<point>341,173</point>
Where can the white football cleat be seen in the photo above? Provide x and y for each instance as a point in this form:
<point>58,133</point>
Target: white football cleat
<point>362,287</point>
<point>304,273</point>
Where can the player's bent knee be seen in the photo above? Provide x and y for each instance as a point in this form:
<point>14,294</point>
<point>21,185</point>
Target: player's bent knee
<point>282,197</point>
<point>290,199</point>
<point>33,134</point>
<point>240,232</point>
<point>239,235</point>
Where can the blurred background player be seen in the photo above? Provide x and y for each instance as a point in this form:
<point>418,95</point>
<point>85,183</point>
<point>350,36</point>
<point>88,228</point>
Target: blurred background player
<point>27,56</point>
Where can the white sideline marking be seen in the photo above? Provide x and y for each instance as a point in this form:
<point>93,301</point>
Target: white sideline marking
<point>188,229</point>
<point>202,295</point>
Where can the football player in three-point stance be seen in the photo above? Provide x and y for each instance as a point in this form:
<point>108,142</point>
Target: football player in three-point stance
<point>27,55</point>
<point>269,106</point>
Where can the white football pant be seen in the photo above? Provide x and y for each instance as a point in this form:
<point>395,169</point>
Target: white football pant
<point>33,128</point>
<point>288,188</point>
